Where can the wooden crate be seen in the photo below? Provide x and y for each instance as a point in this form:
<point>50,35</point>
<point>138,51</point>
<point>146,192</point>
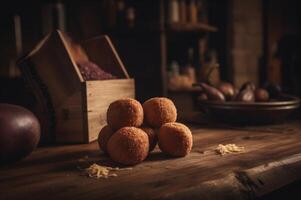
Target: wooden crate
<point>70,109</point>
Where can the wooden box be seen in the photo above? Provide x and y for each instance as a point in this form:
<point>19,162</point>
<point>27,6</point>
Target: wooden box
<point>70,109</point>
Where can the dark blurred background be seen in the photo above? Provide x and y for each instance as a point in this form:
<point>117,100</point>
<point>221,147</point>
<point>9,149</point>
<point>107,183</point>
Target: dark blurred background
<point>250,40</point>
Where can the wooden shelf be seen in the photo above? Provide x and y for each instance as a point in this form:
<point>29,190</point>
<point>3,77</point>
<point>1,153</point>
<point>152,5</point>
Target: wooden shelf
<point>186,90</point>
<point>177,27</point>
<point>197,27</point>
<point>136,31</point>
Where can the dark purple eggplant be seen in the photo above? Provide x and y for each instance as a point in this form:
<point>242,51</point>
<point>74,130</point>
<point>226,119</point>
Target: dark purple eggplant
<point>227,89</point>
<point>261,95</point>
<point>246,95</point>
<point>212,93</point>
<point>19,133</point>
<point>274,90</point>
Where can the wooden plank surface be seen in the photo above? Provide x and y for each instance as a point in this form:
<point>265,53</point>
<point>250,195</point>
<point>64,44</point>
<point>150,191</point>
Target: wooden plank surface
<point>99,95</point>
<point>272,159</point>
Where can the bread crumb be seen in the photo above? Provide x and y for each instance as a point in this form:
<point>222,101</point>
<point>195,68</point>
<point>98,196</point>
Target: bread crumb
<point>229,148</point>
<point>98,171</point>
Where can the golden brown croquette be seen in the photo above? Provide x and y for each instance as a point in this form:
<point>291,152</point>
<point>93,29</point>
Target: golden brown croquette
<point>152,137</point>
<point>103,137</point>
<point>158,111</point>
<point>128,146</point>
<point>175,139</point>
<point>124,112</point>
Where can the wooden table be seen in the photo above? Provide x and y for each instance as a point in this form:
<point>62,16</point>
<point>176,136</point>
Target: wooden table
<point>272,159</point>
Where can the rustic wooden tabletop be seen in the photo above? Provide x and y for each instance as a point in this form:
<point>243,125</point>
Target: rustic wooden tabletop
<point>272,159</point>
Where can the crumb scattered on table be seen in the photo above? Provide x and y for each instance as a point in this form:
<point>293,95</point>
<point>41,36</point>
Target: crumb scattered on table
<point>98,171</point>
<point>229,148</point>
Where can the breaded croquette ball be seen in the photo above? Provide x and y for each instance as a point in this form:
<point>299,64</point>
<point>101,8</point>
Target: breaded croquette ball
<point>124,112</point>
<point>103,137</point>
<point>158,111</point>
<point>175,139</point>
<point>128,146</point>
<point>152,137</point>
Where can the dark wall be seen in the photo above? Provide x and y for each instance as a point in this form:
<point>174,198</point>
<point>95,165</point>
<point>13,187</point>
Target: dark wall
<point>282,42</point>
